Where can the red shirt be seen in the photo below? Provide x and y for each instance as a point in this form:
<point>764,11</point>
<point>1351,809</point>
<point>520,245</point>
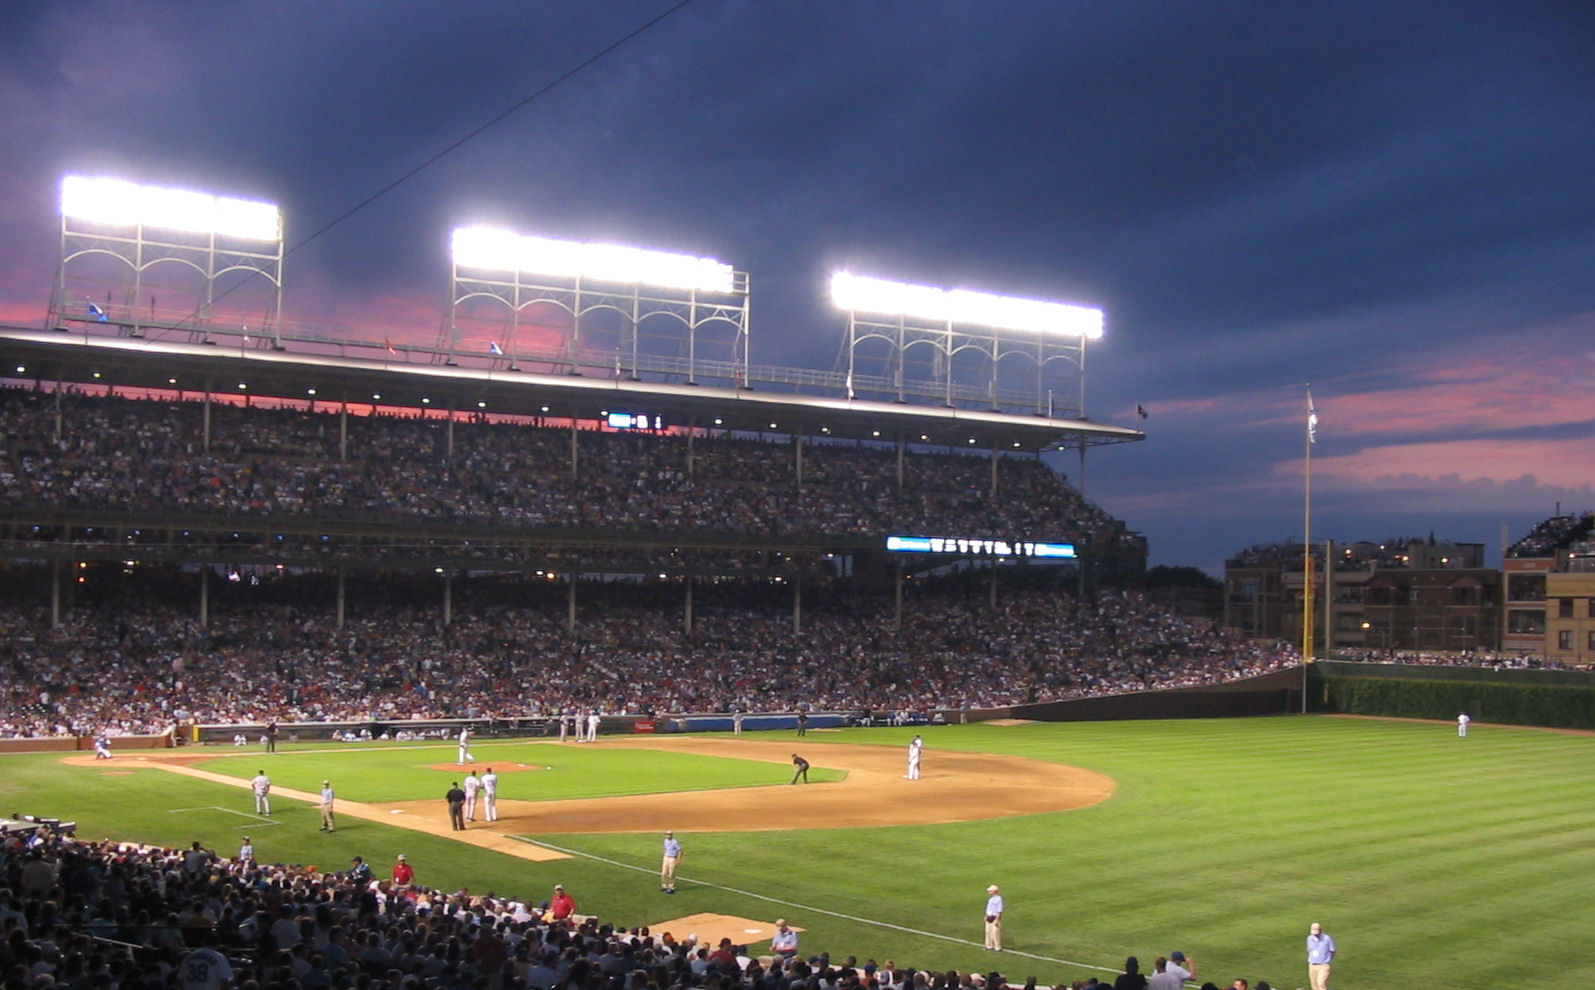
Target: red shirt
<point>562,906</point>
<point>402,873</point>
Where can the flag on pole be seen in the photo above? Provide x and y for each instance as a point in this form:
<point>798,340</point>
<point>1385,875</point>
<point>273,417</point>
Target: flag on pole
<point>617,362</point>
<point>98,313</point>
<point>1312,419</point>
<point>498,351</point>
<point>1140,410</point>
<point>850,383</point>
<point>388,343</point>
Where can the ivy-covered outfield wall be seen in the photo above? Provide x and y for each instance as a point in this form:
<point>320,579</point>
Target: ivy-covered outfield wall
<point>1557,699</point>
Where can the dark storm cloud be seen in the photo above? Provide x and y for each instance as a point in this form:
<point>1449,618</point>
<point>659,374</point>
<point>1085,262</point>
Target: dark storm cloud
<point>1356,194</point>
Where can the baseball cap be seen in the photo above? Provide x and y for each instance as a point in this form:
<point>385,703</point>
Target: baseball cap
<point>1177,956</point>
<point>992,889</point>
<point>559,886</point>
<point>401,855</point>
<point>324,783</point>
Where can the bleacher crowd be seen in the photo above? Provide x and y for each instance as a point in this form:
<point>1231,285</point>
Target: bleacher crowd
<point>141,455</point>
<point>138,663</point>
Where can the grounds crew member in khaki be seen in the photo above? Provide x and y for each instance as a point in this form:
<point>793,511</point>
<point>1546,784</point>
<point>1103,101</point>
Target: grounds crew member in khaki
<point>994,909</point>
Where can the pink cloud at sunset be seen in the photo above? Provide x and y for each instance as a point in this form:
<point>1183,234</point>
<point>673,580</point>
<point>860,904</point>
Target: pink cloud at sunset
<point>1561,463</point>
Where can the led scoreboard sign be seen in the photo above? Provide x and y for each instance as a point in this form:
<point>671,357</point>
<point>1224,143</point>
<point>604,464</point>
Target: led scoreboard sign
<point>975,545</point>
<point>633,421</point>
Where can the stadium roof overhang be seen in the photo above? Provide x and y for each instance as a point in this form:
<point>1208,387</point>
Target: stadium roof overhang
<point>263,371</point>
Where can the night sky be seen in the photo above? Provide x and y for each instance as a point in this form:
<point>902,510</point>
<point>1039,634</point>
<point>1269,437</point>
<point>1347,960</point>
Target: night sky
<point>1394,201</point>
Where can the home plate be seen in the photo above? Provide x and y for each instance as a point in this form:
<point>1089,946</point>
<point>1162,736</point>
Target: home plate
<point>395,811</point>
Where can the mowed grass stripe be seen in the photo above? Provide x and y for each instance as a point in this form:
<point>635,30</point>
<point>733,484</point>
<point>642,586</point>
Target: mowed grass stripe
<point>1436,862</point>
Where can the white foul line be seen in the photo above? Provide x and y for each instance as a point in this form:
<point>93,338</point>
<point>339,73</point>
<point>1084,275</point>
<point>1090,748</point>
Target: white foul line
<point>815,910</point>
<point>231,811</point>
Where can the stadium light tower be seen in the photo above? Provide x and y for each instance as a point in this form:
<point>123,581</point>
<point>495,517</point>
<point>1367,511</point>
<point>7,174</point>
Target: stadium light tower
<point>143,226</point>
<point>908,317</point>
<point>519,270</point>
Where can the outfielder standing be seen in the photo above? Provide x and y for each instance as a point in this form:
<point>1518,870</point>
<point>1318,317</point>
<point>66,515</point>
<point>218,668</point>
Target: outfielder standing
<point>490,795</point>
<point>473,787</point>
<point>915,750</point>
<point>261,785</point>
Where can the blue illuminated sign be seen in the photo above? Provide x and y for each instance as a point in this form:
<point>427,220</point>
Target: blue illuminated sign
<point>980,546</point>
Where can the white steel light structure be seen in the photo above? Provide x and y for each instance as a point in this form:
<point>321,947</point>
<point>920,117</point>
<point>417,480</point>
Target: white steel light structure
<point>520,270</point>
<point>987,329</point>
<point>143,226</point>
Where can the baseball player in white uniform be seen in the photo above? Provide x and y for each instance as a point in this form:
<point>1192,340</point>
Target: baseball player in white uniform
<point>592,725</point>
<point>490,795</point>
<point>473,787</point>
<point>261,785</point>
<point>465,745</point>
<point>915,750</point>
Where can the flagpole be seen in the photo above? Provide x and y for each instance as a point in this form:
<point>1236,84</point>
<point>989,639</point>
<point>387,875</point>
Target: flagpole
<point>1307,550</point>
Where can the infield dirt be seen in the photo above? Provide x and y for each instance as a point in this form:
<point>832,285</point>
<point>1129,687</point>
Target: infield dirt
<point>953,787</point>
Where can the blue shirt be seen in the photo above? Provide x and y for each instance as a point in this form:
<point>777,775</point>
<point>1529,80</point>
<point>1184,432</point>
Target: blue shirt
<point>1320,949</point>
<point>673,848</point>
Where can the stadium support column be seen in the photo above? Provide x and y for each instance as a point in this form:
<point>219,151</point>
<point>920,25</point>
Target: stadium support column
<point>797,607</point>
<point>204,440</point>
<point>343,431</point>
<point>686,606</point>
<point>340,596</point>
<point>994,470</point>
<point>902,447</point>
<point>204,596</point>
<point>797,456</point>
<point>573,445</point>
<point>897,599</point>
<point>448,598</point>
<point>55,593</point>
<point>1079,559</point>
<point>570,602</point>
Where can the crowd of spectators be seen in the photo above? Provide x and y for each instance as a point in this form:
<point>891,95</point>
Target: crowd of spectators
<point>1556,533</point>
<point>130,657</point>
<point>1495,659</point>
<point>105,916</point>
<point>139,455</point>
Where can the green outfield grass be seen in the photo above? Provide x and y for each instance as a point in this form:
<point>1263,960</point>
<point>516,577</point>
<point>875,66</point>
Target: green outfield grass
<point>1435,862</point>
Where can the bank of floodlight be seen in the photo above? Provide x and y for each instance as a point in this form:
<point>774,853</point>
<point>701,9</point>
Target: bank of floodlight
<point>877,296</point>
<point>488,249</point>
<point>117,202</point>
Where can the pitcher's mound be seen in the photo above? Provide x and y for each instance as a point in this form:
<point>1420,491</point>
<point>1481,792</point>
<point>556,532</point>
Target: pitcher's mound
<point>480,767</point>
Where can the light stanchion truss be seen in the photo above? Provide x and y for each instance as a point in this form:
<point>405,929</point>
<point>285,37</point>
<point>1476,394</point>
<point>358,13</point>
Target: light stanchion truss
<point>585,308</point>
<point>964,348</point>
<point>222,243</point>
